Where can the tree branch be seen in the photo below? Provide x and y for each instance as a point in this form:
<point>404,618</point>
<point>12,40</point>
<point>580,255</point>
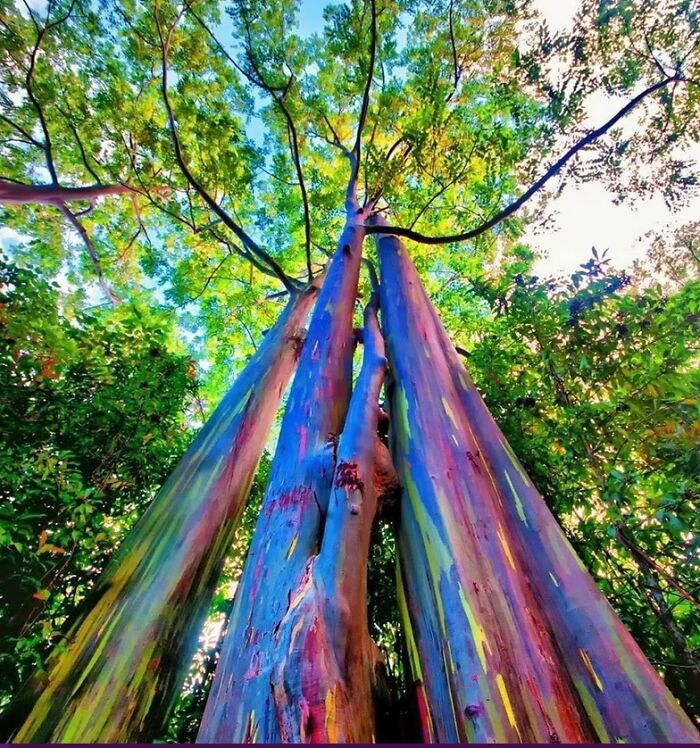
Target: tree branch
<point>356,150</point>
<point>245,239</point>
<point>536,187</point>
<point>47,146</point>
<point>54,194</point>
<point>207,282</point>
<point>92,252</point>
<point>640,555</point>
<point>22,131</point>
<point>278,97</point>
<point>457,71</point>
<point>83,154</point>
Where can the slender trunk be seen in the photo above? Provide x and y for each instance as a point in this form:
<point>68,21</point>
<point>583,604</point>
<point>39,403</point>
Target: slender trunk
<point>12,192</point>
<point>687,659</point>
<point>622,694</point>
<point>245,705</point>
<point>322,684</point>
<point>412,666</point>
<point>618,695</point>
<point>92,253</point>
<point>123,661</point>
<point>488,659</point>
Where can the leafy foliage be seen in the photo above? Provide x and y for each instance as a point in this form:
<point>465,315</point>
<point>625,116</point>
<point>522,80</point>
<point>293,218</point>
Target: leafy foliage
<point>93,414</point>
<point>227,127</point>
<point>594,381</point>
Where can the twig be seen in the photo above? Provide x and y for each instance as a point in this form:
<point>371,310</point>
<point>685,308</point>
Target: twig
<point>92,252</point>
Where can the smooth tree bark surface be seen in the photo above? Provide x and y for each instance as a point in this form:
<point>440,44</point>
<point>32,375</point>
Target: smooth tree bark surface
<point>122,662</point>
<point>248,702</point>
<point>622,694</point>
<point>510,639</point>
<point>325,681</point>
<point>488,660</point>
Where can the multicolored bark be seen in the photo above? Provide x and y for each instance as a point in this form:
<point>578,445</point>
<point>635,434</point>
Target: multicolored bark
<point>489,662</point>
<point>623,696</point>
<point>245,705</point>
<point>510,638</point>
<point>323,683</point>
<point>113,678</point>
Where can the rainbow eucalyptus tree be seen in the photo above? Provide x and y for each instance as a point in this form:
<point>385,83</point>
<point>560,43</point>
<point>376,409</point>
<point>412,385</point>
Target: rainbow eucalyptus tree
<point>613,679</point>
<point>300,668</point>
<point>123,661</point>
<point>512,640</point>
<point>508,637</point>
<point>290,671</point>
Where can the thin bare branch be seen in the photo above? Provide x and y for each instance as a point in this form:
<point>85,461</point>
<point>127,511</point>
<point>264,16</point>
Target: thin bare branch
<point>83,154</point>
<point>22,131</point>
<point>245,239</point>
<point>92,252</point>
<point>456,69</point>
<point>213,37</point>
<point>357,148</point>
<point>28,83</point>
<point>207,282</point>
<point>639,554</point>
<point>278,96</point>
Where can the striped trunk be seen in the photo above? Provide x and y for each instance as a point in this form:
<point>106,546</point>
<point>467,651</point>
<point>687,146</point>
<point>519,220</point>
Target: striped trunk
<point>249,701</point>
<point>511,641</point>
<point>121,664</point>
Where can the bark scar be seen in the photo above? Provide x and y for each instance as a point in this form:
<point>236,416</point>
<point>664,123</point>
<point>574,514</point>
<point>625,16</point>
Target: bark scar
<point>346,477</point>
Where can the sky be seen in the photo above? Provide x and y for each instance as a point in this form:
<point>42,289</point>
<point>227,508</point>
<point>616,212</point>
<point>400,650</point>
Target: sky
<point>585,215</point>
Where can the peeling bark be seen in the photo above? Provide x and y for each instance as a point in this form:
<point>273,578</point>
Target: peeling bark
<point>122,662</point>
<point>325,637</point>
<point>513,640</point>
<point>249,700</point>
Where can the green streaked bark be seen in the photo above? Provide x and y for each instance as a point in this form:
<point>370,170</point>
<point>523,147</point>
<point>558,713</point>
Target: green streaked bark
<point>488,660</point>
<point>114,676</point>
<point>513,640</point>
<point>247,703</point>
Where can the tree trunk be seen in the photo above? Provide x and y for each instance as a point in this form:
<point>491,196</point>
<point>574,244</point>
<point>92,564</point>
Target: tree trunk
<point>323,683</point>
<point>623,696</point>
<point>686,670</point>
<point>516,642</point>
<point>251,699</point>
<point>123,661</point>
<point>489,663</point>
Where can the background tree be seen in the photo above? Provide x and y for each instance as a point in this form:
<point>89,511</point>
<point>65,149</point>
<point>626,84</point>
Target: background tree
<point>95,410</point>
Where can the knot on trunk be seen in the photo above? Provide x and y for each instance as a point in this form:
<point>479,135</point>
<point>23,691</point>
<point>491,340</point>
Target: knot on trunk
<point>297,338</point>
<point>346,476</point>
